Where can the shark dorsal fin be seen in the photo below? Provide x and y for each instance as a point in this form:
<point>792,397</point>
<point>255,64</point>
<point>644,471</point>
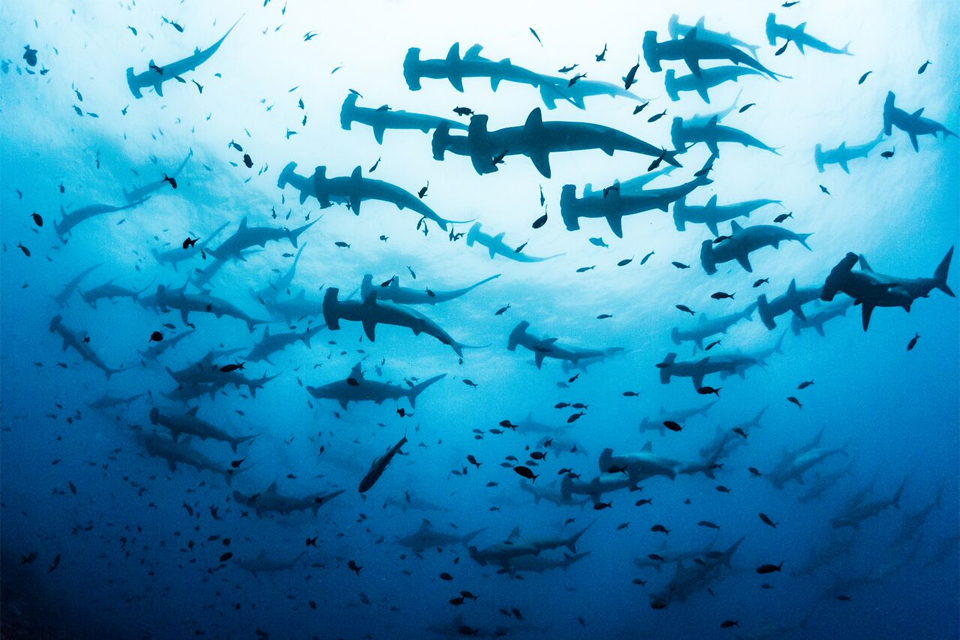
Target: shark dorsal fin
<point>357,372</point>
<point>801,27</point>
<point>735,227</point>
<point>700,22</point>
<point>647,448</point>
<point>917,113</point>
<point>356,175</point>
<point>864,265</point>
<point>712,202</point>
<point>395,283</point>
<point>713,121</point>
<point>193,412</point>
<point>534,121</point>
<point>272,488</point>
<point>454,53</point>
<point>792,289</point>
<point>514,534</point>
<point>243,224</point>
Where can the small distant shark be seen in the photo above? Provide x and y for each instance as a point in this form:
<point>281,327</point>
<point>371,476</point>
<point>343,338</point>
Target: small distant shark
<point>693,49</point>
<point>139,194</point>
<point>471,65</point>
<point>844,154</point>
<point>426,537</point>
<point>549,347</point>
<point>271,501</point>
<point>697,370</point>
<point>817,319</point>
<point>913,124</point>
<point>109,402</point>
<point>64,226</point>
<point>246,237</point>
<point>799,37</point>
<point>497,247</point>
<point>81,346</point>
<point>743,241</point>
<point>712,214</point>
<point>271,343</point>
<point>678,30</point>
<point>793,300</point>
<point>187,303</point>
<point>684,135</point>
<point>262,564</point>
<point>183,453</point>
<point>707,79</point>
<point>404,295</point>
<point>357,388</point>
<point>189,424</point>
<point>178,254</point>
<point>371,312</point>
<point>385,118</point>
<point>707,326</point>
<point>679,416</point>
<point>155,76</point>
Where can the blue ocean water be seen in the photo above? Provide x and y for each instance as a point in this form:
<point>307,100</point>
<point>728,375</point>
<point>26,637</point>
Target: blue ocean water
<point>749,503</point>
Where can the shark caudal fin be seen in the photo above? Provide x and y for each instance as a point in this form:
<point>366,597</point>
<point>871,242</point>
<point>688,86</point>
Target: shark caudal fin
<point>238,441</point>
<point>299,230</point>
<point>417,389</point>
<point>470,536</point>
<point>940,275</point>
<point>568,200</point>
<point>572,542</point>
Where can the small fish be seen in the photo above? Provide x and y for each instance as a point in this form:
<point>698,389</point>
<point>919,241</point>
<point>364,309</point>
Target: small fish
<point>446,576</point>
<point>640,107</point>
<point>463,111</point>
<point>766,520</point>
<point>472,460</point>
<point>706,391</point>
<point>29,558</point>
<point>598,242</point>
<point>722,489</point>
<point>199,86</point>
<point>657,161</point>
<point>521,247</point>
<point>56,563</point>
<point>604,316</point>
<point>740,432</point>
<point>686,309</point>
<point>720,239</point>
<point>37,219</point>
<point>673,426</point>
<point>659,528</point>
<point>413,273</point>
<point>353,566</point>
<point>843,598</point>
<point>308,36</point>
<point>585,269</point>
<point>888,154</point>
<point>783,216</point>
<point>172,181</point>
<point>825,190</point>
<point>375,165</point>
<point>708,525</point>
<point>726,624</point>
<point>470,383</point>
<point>502,310</point>
<point>26,251</point>
<point>539,222</point>
<point>30,55</point>
<point>643,260</point>
<point>761,281</point>
<point>132,30</point>
<point>747,106</point>
<point>602,505</point>
<point>422,193</point>
<point>624,262</point>
<point>536,36</point>
<point>235,146</point>
<point>795,401</point>
<point>575,78</point>
<point>602,56</point>
<point>721,295</point>
<point>755,472</point>
<point>923,67</point>
<point>712,345</point>
<point>803,385</point>
<point>631,78</point>
<point>227,368</point>
<point>787,5</point>
<point>680,265</point>
<point>247,161</point>
<point>567,69</point>
<point>656,117</point>
<point>156,336</point>
<point>864,77</point>
<point>341,244</point>
<point>783,48</point>
<point>913,342</point>
<point>189,242</point>
<point>631,394</point>
<point>642,502</point>
<point>525,472</point>
<point>770,568</point>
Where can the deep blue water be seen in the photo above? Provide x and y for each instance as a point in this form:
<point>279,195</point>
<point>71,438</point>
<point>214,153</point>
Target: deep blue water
<point>102,538</point>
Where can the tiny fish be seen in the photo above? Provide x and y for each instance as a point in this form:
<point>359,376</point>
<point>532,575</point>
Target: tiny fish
<point>656,117</point>
<point>795,401</point>
<point>637,109</point>
<point>705,391</point>
<point>686,309</point>
<point>156,336</point>
<point>923,67</point>
<point>680,265</point>
<point>37,219</point>
<point>598,242</point>
<point>864,77</point>
<point>712,345</point>
<point>624,262</point>
<point>770,568</point>
<point>643,260</point>
<point>825,190</point>
<point>803,385</point>
<point>888,154</point>
<point>747,106</point>
<point>766,520</point>
<point>539,222</point>
<point>721,295</point>
<point>913,342</point>
<point>760,282</point>
<point>673,426</point>
<point>783,48</point>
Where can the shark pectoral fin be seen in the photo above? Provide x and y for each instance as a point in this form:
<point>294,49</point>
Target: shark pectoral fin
<point>694,63</point>
<point>703,94</point>
<point>843,165</point>
<point>158,87</point>
<point>538,358</point>
<point>541,160</point>
<point>370,328</point>
<point>343,403</point>
<point>744,261</point>
<point>798,311</point>
<point>713,228</point>
<point>913,141</point>
<point>378,133</point>
<point>819,329</point>
<point>867,313</point>
<point>616,224</point>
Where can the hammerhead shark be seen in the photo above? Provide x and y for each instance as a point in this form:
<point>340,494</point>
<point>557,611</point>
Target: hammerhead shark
<point>187,303</point>
<point>247,236</point>
<point>550,348</point>
<point>743,241</point>
<point>271,343</point>
<point>385,118</point>
<point>553,89</point>
<point>684,135</point>
<point>843,154</point>
<point>357,388</point>
<point>371,312</point>
<point>639,466</point>
<point>537,139</point>
<point>68,221</point>
<point>189,424</point>
<point>262,564</point>
<point>866,289</point>
<point>707,79</point>
<point>707,326</point>
<point>614,205</point>
<point>712,214</point>
<point>139,194</point>
<point>110,291</point>
<point>182,452</point>
<point>692,49</point>
<point>913,124</point>
<point>817,319</point>
<point>353,190</point>
<point>62,298</point>
<point>498,247</point>
<point>471,65</point>
<point>393,292</point>
<point>271,501</point>
<point>798,36</point>
<point>80,345</point>
<point>427,537</point>
<point>281,284</point>
<point>792,300</point>
<point>178,254</point>
<point>697,370</point>
<point>678,30</point>
<point>679,416</point>
<point>155,75</point>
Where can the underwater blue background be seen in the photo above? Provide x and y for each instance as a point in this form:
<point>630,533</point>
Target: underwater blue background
<point>126,568</point>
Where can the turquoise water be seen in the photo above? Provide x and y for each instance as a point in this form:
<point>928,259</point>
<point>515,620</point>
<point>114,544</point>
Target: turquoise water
<point>130,543</point>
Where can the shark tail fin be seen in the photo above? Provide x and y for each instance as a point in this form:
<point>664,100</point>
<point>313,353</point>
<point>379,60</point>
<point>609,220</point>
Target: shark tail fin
<point>419,388</point>
<point>295,234</point>
<point>803,239</point>
<point>572,542</point>
<point>940,275</point>
<point>899,494</point>
<point>470,536</point>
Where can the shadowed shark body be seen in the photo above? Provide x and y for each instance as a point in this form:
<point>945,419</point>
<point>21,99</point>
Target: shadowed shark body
<point>818,318</point>
<point>680,416</point>
<point>75,341</point>
<point>68,221</point>
<point>822,482</point>
<point>692,49</point>
<point>271,343</point>
<point>426,537</point>
<point>109,402</point>
<point>371,312</point>
<point>860,509</point>
<point>109,291</point>
<point>154,352</point>
<point>615,205</point>
<point>385,118</point>
<point>917,287</point>
<point>844,154</point>
<point>205,376</point>
<point>678,30</point>
<point>549,347</point>
<point>723,445</point>
<point>517,545</point>
<point>537,564</point>
<point>641,465</point>
<point>550,493</point>
<point>262,564</point>
<point>799,37</point>
<point>665,557</point>
<point>187,303</point>
<point>271,501</point>
<point>537,139</point>
<point>702,84</point>
<point>405,295</point>
<point>380,465</point>
<point>712,214</point>
<point>836,547</point>
<point>408,502</point>
<point>743,241</point>
<point>912,524</point>
<point>178,254</point>
<point>182,452</point>
<point>137,195</point>
<point>691,579</point>
<point>684,135</point>
<point>553,89</point>
<point>597,487</point>
<point>497,247</point>
<point>353,190</point>
<point>793,467</point>
<point>697,370</point>
<point>356,388</point>
<point>793,300</point>
<point>155,76</point>
<point>706,327</point>
<point>281,284</point>
<point>866,288</point>
<point>62,298</point>
<point>246,237</point>
<point>471,65</point>
<point>189,424</point>
<point>293,308</point>
<point>913,124</point>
